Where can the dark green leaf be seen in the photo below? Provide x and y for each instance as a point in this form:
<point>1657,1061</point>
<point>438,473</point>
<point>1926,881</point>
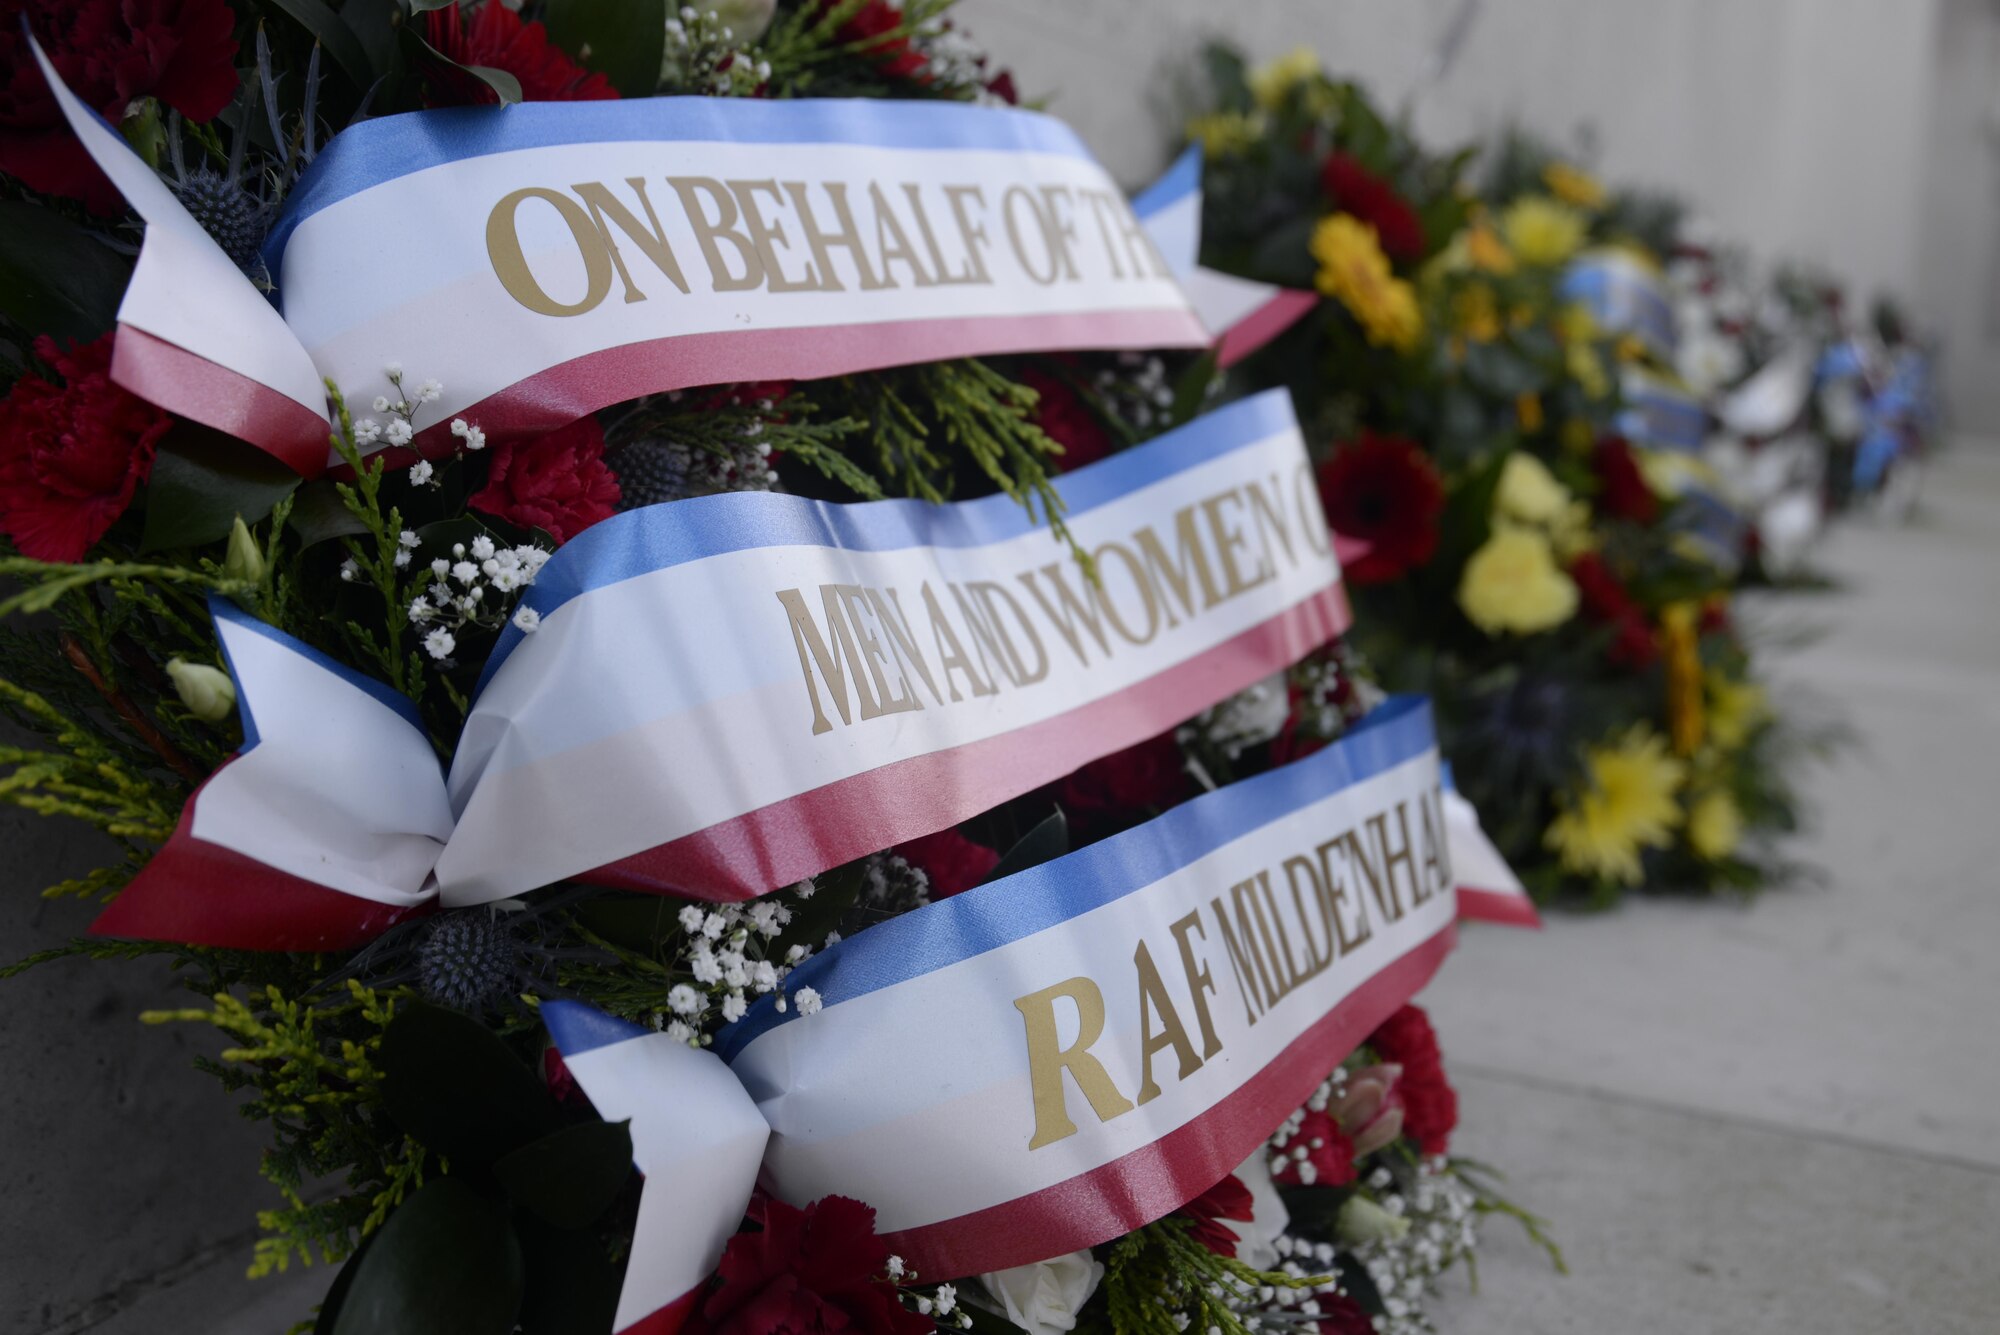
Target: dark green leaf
<point>446,1263</point>
<point>336,1293</point>
<point>452,1083</point>
<point>55,278</point>
<point>1191,391</point>
<point>620,39</point>
<point>1360,1285</point>
<point>319,514</point>
<point>573,1280</point>
<point>1284,255</point>
<point>1049,839</point>
<point>202,480</point>
<point>504,85</point>
<point>571,1176</point>
<point>636,922</point>
<point>333,34</point>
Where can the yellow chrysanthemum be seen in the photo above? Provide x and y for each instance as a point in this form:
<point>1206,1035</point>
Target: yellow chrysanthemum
<point>1715,826</point>
<point>1628,804</point>
<point>1486,250</point>
<point>1354,271</point>
<point>1543,231</point>
<point>1735,708</point>
<point>1528,412</point>
<point>1273,79</point>
<point>1475,314</point>
<point>1631,350</point>
<point>1573,185</point>
<point>1576,324</point>
<point>1225,134</point>
<point>1512,584</point>
<point>1529,492</point>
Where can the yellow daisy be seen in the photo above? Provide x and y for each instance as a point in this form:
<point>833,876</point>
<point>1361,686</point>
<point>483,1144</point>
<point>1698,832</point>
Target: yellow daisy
<point>1627,805</point>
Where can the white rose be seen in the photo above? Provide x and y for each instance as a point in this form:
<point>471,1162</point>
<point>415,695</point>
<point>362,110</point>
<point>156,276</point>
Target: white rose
<point>1044,1298</point>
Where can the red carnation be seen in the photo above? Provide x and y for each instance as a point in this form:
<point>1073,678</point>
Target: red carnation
<point>1354,189</point>
<point>111,53</point>
<point>496,37</point>
<point>1341,1315</point>
<point>1327,1159</point>
<point>1622,489</point>
<point>1001,86</point>
<point>1606,602</point>
<point>809,1272</point>
<point>1126,786</point>
<point>893,57</point>
<point>1430,1107</point>
<point>952,862</point>
<point>1384,491</point>
<point>72,455</point>
<point>557,483</point>
<point>1227,1199</point>
<point>1061,413</point>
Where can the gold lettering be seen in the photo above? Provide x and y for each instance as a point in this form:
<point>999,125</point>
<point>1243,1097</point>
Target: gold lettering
<point>1335,889</point>
<point>607,211</point>
<point>1101,591</point>
<point>892,243</point>
<point>972,234</point>
<point>708,231</point>
<point>1074,610</point>
<point>951,653</point>
<point>766,234</point>
<point>1357,859</point>
<point>1244,960</point>
<point>1312,510</point>
<point>1404,854</point>
<point>1008,214</point>
<point>1269,514</point>
<point>890,613</point>
<point>1227,540</point>
<point>1189,567</point>
<point>1319,954</point>
<point>1199,980</point>
<point>1048,1059</point>
<point>836,663</point>
<point>510,263</point>
<point>823,242</point>
<point>874,656</point>
<point>1284,975</point>
<point>986,590</point>
<point>1172,1033</point>
<point>1101,203</point>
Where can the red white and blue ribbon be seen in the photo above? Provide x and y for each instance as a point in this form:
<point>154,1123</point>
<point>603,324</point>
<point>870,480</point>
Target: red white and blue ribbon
<point>551,259</point>
<point>1053,1059</point>
<point>728,693</point>
<point>1623,296</point>
<point>1241,314</point>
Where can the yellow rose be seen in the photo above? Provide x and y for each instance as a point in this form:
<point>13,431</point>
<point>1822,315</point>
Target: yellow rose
<point>1572,185</point>
<point>1543,231</point>
<point>1273,79</point>
<point>1529,492</point>
<point>1715,826</point>
<point>1513,585</point>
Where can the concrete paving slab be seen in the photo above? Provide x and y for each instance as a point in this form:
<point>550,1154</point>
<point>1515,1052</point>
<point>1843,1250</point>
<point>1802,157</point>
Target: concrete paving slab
<point>1690,1223</point>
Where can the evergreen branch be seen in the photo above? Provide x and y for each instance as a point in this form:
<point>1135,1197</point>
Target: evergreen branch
<point>121,704</point>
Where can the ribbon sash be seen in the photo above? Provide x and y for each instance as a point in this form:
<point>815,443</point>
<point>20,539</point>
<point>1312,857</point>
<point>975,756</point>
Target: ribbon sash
<point>1054,1059</point>
<point>1623,296</point>
<point>732,692</point>
<point>551,259</point>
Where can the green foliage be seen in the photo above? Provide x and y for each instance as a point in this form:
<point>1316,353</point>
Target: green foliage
<point>1158,1275</point>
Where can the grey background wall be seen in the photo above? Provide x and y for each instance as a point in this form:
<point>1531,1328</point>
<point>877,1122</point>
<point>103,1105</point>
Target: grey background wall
<point>1857,133</point>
